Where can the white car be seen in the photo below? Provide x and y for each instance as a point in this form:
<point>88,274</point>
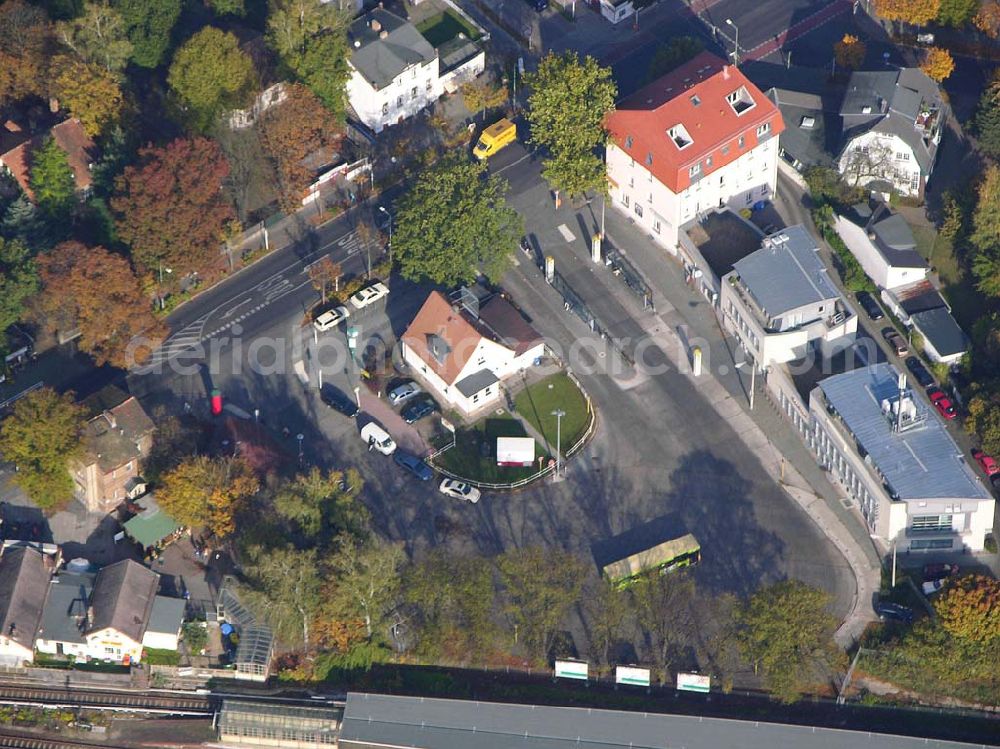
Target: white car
<point>933,586</point>
<point>459,490</point>
<point>378,439</point>
<point>402,393</point>
<point>331,318</point>
<point>369,295</point>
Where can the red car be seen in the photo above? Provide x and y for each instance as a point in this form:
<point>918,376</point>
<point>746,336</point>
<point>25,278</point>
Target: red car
<point>943,404</point>
<point>990,467</point>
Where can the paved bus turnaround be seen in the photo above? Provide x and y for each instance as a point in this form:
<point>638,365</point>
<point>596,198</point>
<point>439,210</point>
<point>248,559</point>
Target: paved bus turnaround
<point>669,555</point>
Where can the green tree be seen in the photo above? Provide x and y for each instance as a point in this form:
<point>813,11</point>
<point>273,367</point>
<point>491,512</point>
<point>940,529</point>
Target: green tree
<point>481,96</point>
<point>672,55</point>
<point>664,608</point>
<point>314,500</point>
<point>969,608</point>
<point>210,74</point>
<point>985,236</point>
<point>568,104</point>
<point>786,632</point>
<point>367,575</point>
<point>148,25</point>
<point>539,587</point>
<point>227,7</point>
<point>285,586</point>
<point>987,124</point>
<point>608,611</point>
<point>22,221</point>
<point>310,36</point>
<point>97,36</point>
<point>455,598</point>
<point>41,437</point>
<point>18,281</point>
<point>454,223</point>
<point>957,12</point>
<point>52,180</point>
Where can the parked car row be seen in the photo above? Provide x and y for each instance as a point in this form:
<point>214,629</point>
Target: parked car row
<point>365,297</point>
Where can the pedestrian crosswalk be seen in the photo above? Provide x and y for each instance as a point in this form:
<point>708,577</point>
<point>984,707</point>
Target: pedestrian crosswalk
<point>186,340</point>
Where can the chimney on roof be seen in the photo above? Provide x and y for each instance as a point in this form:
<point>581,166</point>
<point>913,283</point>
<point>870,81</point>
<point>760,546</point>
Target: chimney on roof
<point>383,34</point>
<point>375,25</point>
<point>110,418</point>
<point>725,72</point>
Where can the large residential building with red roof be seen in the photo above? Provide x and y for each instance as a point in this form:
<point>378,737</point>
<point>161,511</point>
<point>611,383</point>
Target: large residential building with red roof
<point>464,352</point>
<point>701,137</point>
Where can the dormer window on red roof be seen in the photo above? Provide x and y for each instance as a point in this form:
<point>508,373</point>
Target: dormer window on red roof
<point>680,136</point>
<point>740,100</point>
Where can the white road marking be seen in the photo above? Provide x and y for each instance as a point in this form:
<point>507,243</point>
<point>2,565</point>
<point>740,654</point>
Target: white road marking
<point>505,168</point>
<point>229,312</point>
<point>566,233</point>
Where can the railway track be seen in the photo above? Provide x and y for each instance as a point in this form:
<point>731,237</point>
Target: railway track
<point>24,741</point>
<point>133,702</point>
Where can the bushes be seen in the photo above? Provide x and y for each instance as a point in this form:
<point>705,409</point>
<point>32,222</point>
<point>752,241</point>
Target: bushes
<point>851,272</point>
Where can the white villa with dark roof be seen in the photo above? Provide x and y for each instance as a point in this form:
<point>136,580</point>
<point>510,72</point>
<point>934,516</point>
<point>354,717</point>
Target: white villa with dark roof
<point>891,122</point>
<point>895,458</point>
<point>464,357</point>
<point>779,301</point>
<point>395,72</point>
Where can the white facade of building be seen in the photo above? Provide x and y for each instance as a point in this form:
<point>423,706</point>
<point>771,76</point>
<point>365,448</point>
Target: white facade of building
<point>13,653</point>
<point>881,156</point>
<point>414,89</point>
<point>913,487</point>
<point>617,10</point>
<point>661,212</point>
<point>874,263</point>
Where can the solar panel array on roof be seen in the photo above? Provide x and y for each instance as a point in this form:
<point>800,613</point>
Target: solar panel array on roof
<point>922,462</point>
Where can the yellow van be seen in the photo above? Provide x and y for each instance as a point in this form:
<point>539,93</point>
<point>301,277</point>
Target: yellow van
<point>495,137</point>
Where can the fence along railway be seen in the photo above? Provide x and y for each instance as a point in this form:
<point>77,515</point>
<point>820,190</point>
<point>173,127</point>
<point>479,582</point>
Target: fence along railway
<point>133,702</point>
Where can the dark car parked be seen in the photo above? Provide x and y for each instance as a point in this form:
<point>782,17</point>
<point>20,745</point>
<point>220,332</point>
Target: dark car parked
<point>413,464</point>
<point>338,401</point>
<point>870,306</point>
<point>418,408</point>
<point>889,610</point>
<point>920,373</point>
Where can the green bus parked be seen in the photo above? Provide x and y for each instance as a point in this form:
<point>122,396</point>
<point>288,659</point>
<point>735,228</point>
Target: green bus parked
<point>665,557</point>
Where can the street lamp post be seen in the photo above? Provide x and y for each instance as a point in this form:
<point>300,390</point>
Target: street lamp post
<point>753,377</point>
<point>160,269</point>
<point>736,51</point>
<point>558,413</point>
<point>389,215</point>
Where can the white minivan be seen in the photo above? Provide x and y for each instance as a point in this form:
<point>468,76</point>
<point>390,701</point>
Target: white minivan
<point>377,438</point>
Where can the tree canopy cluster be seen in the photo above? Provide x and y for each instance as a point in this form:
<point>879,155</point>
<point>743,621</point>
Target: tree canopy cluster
<point>156,94</point>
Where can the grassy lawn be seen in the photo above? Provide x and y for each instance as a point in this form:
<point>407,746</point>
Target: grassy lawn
<point>957,286</point>
<point>471,459</point>
<point>444,27</point>
<point>537,402</point>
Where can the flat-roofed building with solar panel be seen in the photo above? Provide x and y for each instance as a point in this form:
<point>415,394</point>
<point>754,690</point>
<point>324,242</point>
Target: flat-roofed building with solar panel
<point>253,723</point>
<point>894,456</point>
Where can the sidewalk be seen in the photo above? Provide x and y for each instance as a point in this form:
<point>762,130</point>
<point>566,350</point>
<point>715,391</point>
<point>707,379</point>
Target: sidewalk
<point>781,452</point>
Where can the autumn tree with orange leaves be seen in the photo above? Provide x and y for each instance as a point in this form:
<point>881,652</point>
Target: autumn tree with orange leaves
<point>850,52</point>
<point>170,208</point>
<point>938,64</point>
<point>291,132</point>
<point>25,38</point>
<point>204,492</point>
<point>916,12</point>
<point>969,608</point>
<point>987,18</point>
<point>98,292</point>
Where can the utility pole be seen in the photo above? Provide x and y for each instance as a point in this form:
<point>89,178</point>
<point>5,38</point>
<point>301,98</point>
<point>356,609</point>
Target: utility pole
<point>736,50</point>
<point>558,413</point>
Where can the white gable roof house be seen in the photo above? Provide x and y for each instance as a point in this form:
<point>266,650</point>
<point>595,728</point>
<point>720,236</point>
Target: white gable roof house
<point>883,244</point>
<point>891,125</point>
<point>395,72</point>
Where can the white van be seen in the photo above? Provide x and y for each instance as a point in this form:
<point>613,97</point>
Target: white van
<point>377,438</point>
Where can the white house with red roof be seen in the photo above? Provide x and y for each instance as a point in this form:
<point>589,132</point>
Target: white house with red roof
<point>464,354</point>
<point>700,137</point>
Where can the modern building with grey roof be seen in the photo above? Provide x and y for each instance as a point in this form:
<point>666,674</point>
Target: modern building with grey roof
<point>780,302</point>
<point>24,581</point>
<point>64,618</point>
<point>883,244</point>
<point>891,452</point>
<point>395,71</point>
<point>944,340</point>
<point>394,722</point>
<point>891,123</point>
